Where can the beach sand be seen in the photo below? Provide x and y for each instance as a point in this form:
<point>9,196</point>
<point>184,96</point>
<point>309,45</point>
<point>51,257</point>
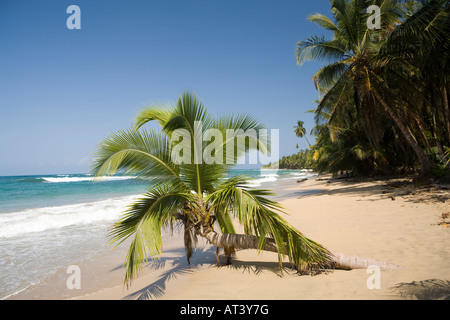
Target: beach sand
<point>397,224</point>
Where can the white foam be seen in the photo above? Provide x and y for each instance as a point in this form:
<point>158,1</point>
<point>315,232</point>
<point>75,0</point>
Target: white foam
<point>265,178</point>
<point>79,179</point>
<point>41,219</point>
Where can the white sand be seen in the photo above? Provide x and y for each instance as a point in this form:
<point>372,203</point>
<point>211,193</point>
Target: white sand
<point>354,218</point>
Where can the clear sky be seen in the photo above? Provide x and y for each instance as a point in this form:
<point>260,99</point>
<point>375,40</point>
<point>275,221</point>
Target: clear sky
<point>62,91</point>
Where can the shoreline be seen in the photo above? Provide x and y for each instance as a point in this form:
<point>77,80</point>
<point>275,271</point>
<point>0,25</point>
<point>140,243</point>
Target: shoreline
<point>365,218</point>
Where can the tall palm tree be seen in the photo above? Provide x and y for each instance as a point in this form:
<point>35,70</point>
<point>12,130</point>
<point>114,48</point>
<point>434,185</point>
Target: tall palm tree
<point>357,67</point>
<point>300,131</point>
<point>423,40</point>
<point>193,194</point>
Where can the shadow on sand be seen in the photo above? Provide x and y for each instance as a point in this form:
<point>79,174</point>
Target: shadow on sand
<point>176,264</point>
<point>382,189</point>
<point>431,289</point>
<point>339,187</point>
<point>257,267</point>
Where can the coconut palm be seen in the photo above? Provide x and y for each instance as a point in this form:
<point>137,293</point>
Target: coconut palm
<point>362,67</point>
<point>423,40</point>
<point>300,131</point>
<point>195,195</point>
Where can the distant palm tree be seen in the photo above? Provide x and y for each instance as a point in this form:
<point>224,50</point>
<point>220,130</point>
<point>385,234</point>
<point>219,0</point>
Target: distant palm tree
<point>195,195</point>
<point>300,131</point>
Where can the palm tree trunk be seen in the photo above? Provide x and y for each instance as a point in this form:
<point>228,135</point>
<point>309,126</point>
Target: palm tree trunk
<point>239,241</point>
<point>441,151</point>
<point>307,141</point>
<point>446,107</point>
<point>425,163</point>
<point>341,261</point>
<point>437,136</point>
<point>422,132</point>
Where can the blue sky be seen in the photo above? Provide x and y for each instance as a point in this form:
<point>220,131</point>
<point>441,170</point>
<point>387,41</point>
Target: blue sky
<point>62,91</point>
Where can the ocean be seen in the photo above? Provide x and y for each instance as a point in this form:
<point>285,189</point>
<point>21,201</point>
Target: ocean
<point>49,222</point>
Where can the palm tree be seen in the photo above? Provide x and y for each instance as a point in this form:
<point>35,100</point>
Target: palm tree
<point>360,71</point>
<point>423,40</point>
<point>196,195</point>
<point>300,131</point>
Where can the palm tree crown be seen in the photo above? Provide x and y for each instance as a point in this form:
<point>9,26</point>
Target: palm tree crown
<point>300,131</point>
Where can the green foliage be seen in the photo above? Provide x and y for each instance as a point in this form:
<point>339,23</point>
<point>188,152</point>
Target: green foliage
<point>304,159</point>
<point>385,93</point>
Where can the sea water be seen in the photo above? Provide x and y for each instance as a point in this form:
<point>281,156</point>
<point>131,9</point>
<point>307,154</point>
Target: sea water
<point>49,222</point>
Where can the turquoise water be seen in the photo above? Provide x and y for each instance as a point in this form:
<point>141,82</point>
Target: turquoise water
<point>48,222</point>
<point>25,192</point>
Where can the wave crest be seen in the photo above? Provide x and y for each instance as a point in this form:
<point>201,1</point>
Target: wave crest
<point>81,179</point>
<point>42,219</point>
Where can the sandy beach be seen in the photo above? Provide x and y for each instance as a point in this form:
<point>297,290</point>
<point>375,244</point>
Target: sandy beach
<point>385,220</point>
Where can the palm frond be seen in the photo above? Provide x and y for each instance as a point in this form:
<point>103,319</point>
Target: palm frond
<point>144,154</point>
<point>318,48</point>
<point>326,76</point>
<point>336,97</point>
<point>242,134</point>
<point>144,220</point>
<point>324,22</point>
<point>430,25</point>
<point>260,216</point>
<point>159,112</point>
<point>188,111</point>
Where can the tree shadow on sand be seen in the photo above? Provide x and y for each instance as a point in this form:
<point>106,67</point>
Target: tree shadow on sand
<point>385,188</point>
<point>356,189</point>
<point>176,266</point>
<point>257,267</point>
<point>431,289</point>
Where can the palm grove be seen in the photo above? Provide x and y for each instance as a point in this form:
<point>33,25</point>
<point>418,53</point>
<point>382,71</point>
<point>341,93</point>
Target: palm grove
<point>383,93</point>
<point>384,105</point>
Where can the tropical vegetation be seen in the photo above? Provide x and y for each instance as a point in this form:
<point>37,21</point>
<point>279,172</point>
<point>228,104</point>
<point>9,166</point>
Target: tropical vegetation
<point>304,159</point>
<point>383,93</point>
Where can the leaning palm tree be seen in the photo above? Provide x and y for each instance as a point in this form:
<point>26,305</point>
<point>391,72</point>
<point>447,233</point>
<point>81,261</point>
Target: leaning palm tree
<point>186,191</point>
<point>300,131</point>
